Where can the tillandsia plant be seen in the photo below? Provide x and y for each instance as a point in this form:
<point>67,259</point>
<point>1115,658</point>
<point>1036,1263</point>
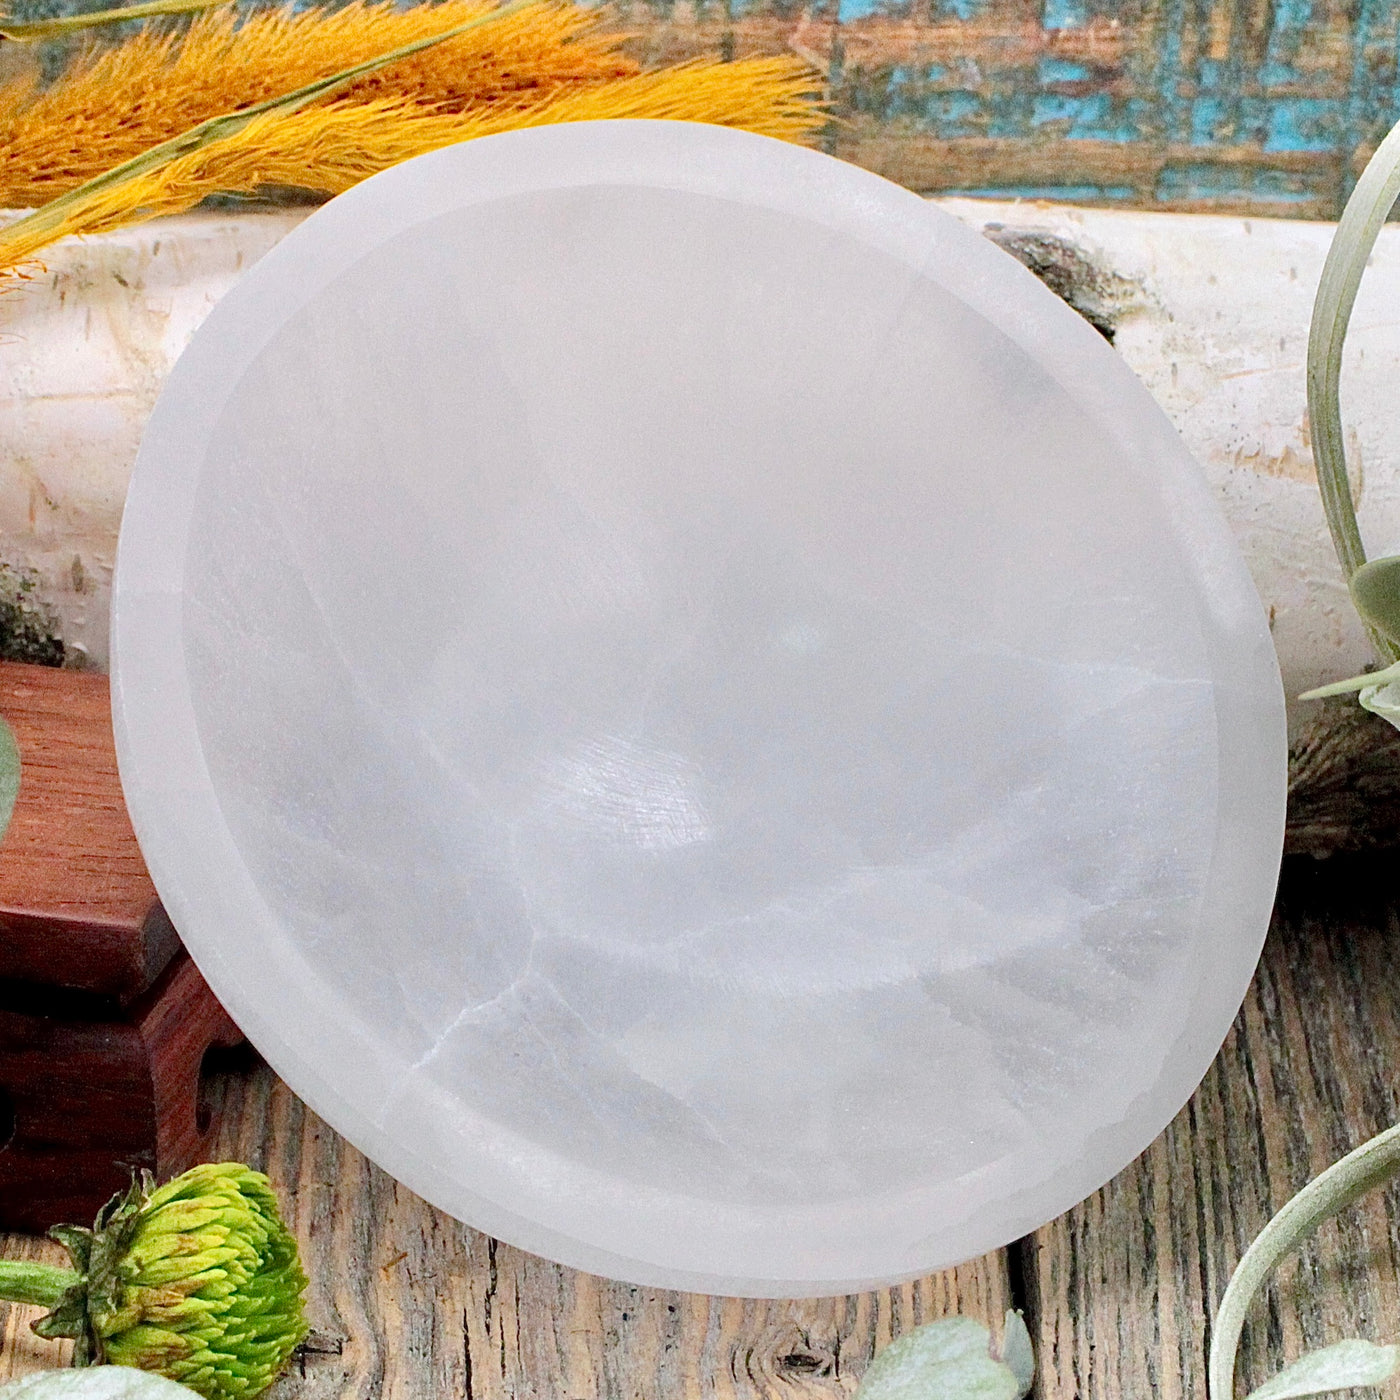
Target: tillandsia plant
<point>197,1280</point>
<point>1374,584</point>
<point>1375,591</point>
<point>1343,1364</point>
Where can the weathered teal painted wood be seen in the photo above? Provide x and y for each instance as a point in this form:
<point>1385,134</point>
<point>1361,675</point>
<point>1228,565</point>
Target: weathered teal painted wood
<point>1259,106</point>
<point>1253,106</point>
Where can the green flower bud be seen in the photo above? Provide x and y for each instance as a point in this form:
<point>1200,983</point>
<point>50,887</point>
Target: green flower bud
<point>198,1281</point>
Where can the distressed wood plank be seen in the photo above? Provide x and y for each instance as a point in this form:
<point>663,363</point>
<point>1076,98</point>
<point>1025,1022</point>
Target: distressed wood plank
<point>408,1303</point>
<point>1121,1288</point>
<point>1247,106</point>
<point>1344,783</point>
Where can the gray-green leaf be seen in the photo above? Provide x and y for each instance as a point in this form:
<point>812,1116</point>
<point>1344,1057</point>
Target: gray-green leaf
<point>1017,1352</point>
<point>947,1360</point>
<point>1375,589</point>
<point>96,1383</point>
<point>1379,691</point>
<point>1338,1367</point>
<point>9,775</point>
<point>1383,700</point>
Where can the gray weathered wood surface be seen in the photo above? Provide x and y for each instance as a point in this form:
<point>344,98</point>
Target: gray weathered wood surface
<point>409,1305</point>
<point>1119,1291</point>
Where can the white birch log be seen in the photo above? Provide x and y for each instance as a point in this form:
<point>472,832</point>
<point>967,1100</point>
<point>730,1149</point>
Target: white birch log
<point>1212,313</point>
<point>84,350</point>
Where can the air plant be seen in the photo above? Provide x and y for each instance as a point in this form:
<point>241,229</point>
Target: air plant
<point>9,775</point>
<point>1343,1364</point>
<point>1374,584</point>
<point>105,1383</point>
<point>1375,591</point>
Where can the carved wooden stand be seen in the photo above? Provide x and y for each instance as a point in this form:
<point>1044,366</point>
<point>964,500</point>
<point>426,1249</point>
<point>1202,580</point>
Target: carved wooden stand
<point>104,1020</point>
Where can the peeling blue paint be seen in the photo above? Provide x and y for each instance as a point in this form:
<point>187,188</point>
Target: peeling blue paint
<point>1064,14</point>
<point>848,10</point>
<point>1304,124</point>
<point>1259,104</point>
<point>1207,119</point>
<point>1062,70</point>
<point>1059,194</point>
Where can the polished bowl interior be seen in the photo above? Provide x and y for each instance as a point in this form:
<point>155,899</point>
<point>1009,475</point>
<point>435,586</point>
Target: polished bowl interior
<point>694,711</point>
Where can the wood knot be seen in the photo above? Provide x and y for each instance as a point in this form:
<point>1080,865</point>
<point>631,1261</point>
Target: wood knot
<point>803,1363</point>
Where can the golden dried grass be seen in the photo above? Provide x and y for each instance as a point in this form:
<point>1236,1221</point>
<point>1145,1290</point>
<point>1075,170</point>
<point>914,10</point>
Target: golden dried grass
<point>527,66</point>
<point>331,147</point>
<point>113,104</point>
<point>64,26</point>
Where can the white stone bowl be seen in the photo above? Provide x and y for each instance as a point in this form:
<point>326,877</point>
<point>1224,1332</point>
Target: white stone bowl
<point>694,711</point>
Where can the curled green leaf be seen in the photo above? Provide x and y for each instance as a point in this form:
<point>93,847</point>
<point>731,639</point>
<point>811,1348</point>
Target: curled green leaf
<point>946,1360</point>
<point>1346,1181</point>
<point>1361,222</point>
<point>1378,691</point>
<point>1338,1367</point>
<point>9,775</point>
<point>1382,700</point>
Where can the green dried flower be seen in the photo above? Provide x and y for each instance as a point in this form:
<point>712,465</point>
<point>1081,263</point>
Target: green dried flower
<point>198,1280</point>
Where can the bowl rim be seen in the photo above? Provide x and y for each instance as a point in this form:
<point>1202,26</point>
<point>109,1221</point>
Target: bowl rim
<point>195,863</point>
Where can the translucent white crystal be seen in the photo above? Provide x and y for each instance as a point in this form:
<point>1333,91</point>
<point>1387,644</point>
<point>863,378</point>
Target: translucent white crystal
<point>694,710</point>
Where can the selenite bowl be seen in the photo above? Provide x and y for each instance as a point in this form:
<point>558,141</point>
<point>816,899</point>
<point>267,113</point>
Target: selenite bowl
<point>694,711</point>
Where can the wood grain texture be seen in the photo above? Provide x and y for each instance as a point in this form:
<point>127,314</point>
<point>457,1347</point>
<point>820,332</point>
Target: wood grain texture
<point>178,1023</point>
<point>1251,106</point>
<point>408,1304</point>
<point>21,1352</point>
<point>85,1100</point>
<point>1121,1289</point>
<point>1344,783</point>
<point>77,908</point>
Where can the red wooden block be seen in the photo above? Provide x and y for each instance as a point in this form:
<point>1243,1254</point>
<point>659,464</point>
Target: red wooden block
<point>77,908</point>
<point>104,1020</point>
<point>85,1100</point>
